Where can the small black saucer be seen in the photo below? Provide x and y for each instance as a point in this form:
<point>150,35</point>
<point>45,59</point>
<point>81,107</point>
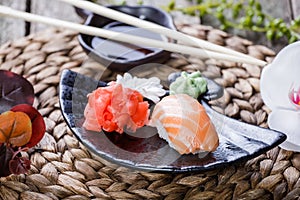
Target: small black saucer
<point>119,56</point>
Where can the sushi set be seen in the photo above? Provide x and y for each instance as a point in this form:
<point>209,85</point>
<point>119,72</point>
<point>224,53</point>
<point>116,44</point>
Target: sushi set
<point>182,133</point>
<point>238,161</point>
<point>156,141</point>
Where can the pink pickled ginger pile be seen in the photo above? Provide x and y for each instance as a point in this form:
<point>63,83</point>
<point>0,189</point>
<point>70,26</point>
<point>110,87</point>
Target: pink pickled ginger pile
<point>113,108</point>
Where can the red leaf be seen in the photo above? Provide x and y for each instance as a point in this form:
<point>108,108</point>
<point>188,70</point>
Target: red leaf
<point>38,124</point>
<point>19,165</point>
<point>14,90</point>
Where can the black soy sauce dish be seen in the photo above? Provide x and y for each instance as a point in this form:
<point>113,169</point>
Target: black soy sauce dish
<point>145,150</point>
<point>119,56</point>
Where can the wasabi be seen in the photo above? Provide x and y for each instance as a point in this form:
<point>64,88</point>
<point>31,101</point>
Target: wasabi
<point>191,84</point>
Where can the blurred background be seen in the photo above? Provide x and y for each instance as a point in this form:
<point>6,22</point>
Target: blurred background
<point>280,13</point>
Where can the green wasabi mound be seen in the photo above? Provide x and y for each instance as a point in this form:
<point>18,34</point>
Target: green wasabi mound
<point>191,84</point>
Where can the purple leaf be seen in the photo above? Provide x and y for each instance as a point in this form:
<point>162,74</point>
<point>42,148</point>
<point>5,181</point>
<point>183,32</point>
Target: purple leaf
<point>14,90</point>
<point>19,165</point>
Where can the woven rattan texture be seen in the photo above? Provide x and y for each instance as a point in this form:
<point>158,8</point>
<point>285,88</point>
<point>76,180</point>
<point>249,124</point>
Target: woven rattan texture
<point>62,168</point>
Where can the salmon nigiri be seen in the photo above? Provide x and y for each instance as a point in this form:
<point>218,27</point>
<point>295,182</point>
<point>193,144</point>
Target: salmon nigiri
<point>183,122</point>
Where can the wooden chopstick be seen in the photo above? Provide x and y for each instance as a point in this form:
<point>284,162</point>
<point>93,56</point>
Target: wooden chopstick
<point>134,21</point>
<point>122,37</point>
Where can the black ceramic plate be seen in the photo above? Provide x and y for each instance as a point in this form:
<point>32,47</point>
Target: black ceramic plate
<point>144,150</point>
<point>121,56</point>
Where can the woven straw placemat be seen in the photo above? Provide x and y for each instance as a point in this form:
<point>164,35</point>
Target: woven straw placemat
<point>62,168</point>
